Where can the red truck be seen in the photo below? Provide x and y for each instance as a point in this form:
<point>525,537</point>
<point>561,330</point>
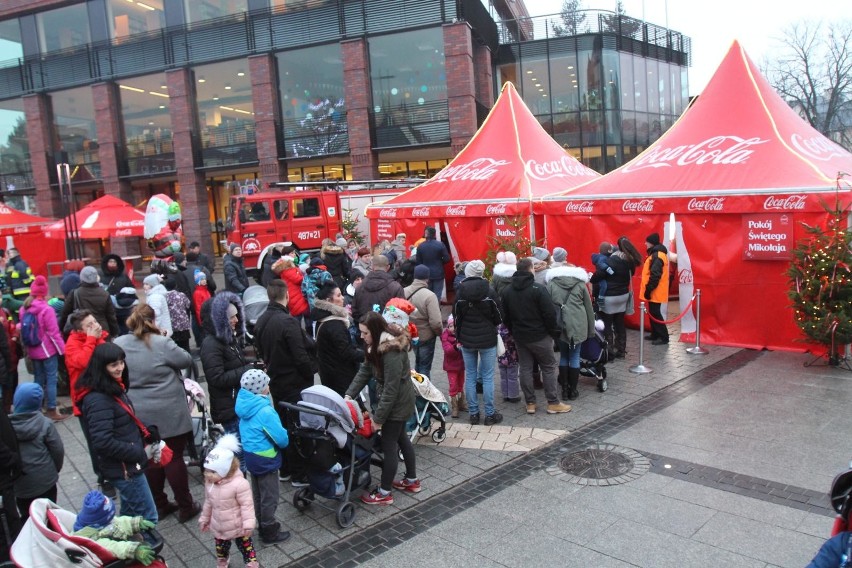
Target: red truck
<point>302,214</point>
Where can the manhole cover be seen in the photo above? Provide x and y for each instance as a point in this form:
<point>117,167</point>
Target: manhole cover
<point>601,464</point>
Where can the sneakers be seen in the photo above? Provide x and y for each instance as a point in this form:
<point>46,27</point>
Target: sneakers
<point>283,478</point>
<point>558,408</point>
<point>411,486</point>
<point>299,482</point>
<point>530,408</point>
<point>493,419</point>
<point>375,497</point>
<point>512,399</point>
<point>223,562</point>
<point>474,419</point>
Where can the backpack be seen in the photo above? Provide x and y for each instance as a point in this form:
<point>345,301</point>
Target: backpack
<point>30,332</point>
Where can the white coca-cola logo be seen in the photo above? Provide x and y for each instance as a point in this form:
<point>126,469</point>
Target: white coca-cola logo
<point>420,212</point>
<point>562,168</point>
<point>457,210</point>
<point>643,206</point>
<point>792,202</point>
<point>479,169</point>
<point>123,232</point>
<point>709,204</point>
<point>499,209</point>
<point>718,150</point>
<point>4,210</point>
<point>387,213</point>
<point>684,276</point>
<point>816,147</point>
<point>134,223</point>
<point>579,206</point>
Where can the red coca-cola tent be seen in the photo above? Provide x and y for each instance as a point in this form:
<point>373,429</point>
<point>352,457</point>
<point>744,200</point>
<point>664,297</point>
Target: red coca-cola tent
<point>741,171</point>
<point>509,161</point>
<point>24,232</point>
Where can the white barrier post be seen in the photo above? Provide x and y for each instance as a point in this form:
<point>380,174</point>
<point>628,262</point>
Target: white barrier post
<point>697,349</point>
<point>641,369</point>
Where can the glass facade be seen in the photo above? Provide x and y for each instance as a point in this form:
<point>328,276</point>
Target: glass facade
<point>225,113</point>
<point>16,172</point>
<point>201,10</point>
<point>11,47</point>
<point>313,102</point>
<point>147,125</point>
<point>63,28</point>
<point>129,17</point>
<point>75,131</point>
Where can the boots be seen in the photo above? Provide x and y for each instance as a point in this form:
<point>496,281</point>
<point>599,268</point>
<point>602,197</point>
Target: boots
<point>563,382</point>
<point>462,402</point>
<point>573,378</point>
<point>57,416</point>
<point>611,349</point>
<point>273,534</point>
<point>621,346</point>
<point>454,405</point>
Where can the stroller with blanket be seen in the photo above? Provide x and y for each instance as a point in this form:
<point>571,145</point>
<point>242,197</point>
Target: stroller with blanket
<point>255,301</point>
<point>430,404</point>
<point>330,436</point>
<point>594,357</point>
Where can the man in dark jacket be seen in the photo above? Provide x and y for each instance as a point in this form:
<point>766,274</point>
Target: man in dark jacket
<point>282,344</point>
<point>477,315</point>
<point>336,262</point>
<point>112,274</point>
<point>337,355</point>
<point>90,296</point>
<point>376,289</point>
<point>531,318</point>
<point>433,253</point>
<point>236,280</point>
<point>203,259</point>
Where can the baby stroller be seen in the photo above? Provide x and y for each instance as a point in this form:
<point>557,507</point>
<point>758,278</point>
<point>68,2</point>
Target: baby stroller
<point>255,301</point>
<point>338,458</point>
<point>46,541</point>
<point>430,404</point>
<point>594,357</point>
<point>205,433</point>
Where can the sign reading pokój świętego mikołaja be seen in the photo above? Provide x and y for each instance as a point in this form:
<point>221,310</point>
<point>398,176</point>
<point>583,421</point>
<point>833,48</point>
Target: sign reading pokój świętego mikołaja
<point>767,236</point>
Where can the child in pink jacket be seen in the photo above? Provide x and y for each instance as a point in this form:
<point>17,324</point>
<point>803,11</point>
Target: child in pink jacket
<point>454,366</point>
<point>228,505</point>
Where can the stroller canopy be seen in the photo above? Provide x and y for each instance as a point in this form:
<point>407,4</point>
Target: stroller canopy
<point>320,397</point>
<point>425,388</point>
<point>255,301</point>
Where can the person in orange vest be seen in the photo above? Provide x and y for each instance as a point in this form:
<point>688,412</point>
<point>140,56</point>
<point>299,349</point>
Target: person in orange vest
<point>655,287</point>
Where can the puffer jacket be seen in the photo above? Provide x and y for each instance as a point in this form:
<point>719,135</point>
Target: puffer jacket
<point>78,353</point>
<point>281,342</point>
<point>337,264</point>
<point>376,289</point>
<point>114,436</point>
<point>315,278</point>
<point>528,309</point>
<point>655,276</point>
<point>337,356</point>
<point>236,280</point>
<point>222,355</point>
<point>261,432</point>
<point>228,507</point>
<point>570,295</point>
<point>52,343</point>
<point>477,314</point>
<point>41,451</point>
<point>156,297</point>
<point>95,299</point>
<point>114,280</point>
<point>293,277</point>
<point>394,389</point>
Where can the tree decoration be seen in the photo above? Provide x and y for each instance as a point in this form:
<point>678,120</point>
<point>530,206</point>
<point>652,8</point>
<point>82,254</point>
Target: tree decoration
<point>517,241</point>
<point>349,226</point>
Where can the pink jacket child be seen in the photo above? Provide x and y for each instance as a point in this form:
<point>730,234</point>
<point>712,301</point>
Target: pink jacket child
<point>51,338</point>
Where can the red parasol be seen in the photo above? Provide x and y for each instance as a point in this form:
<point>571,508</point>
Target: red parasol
<point>105,217</point>
<point>13,222</point>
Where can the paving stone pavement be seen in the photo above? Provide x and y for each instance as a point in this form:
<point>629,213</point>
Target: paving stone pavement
<point>761,416</point>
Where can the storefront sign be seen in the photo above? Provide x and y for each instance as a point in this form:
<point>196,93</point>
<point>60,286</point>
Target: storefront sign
<point>384,230</point>
<point>502,230</point>
<point>767,236</point>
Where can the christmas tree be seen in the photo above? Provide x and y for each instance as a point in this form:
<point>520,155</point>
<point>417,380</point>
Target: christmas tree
<point>821,282</point>
<point>511,237</point>
<point>349,226</point>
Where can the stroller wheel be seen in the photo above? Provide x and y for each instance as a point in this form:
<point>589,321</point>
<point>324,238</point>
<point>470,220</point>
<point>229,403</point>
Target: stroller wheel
<point>346,515</point>
<point>439,435</point>
<point>602,385</point>
<point>301,500</point>
<point>424,430</point>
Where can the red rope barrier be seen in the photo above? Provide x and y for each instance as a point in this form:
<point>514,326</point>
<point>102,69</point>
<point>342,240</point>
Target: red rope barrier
<point>688,308</point>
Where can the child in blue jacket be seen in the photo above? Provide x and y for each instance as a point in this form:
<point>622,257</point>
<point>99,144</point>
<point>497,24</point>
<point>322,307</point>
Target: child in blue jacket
<point>262,437</point>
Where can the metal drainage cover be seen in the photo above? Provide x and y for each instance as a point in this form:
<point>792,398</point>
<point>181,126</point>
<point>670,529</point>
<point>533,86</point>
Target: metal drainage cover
<point>601,464</point>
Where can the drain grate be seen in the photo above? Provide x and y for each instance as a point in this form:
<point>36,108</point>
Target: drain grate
<point>601,464</point>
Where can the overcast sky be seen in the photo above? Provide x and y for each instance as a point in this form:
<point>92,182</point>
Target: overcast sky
<point>714,24</point>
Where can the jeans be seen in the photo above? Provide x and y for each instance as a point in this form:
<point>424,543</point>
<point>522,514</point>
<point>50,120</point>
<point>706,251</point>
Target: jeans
<point>437,286</point>
<point>568,356</point>
<point>136,498</point>
<point>540,351</point>
<point>46,375</point>
<point>393,437</point>
<point>424,353</point>
<point>479,365</point>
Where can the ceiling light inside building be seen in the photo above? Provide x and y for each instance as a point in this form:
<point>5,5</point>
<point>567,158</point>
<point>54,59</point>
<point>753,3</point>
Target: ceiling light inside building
<point>156,94</point>
<point>241,73</point>
<point>215,97</point>
<point>146,6</point>
<point>201,79</point>
<point>529,72</point>
<point>129,88</point>
<point>227,86</point>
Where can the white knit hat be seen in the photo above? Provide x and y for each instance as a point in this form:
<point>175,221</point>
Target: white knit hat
<point>474,269</point>
<point>254,380</point>
<point>221,457</point>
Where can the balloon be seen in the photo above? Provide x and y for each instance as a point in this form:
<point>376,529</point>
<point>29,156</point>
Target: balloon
<point>162,226</point>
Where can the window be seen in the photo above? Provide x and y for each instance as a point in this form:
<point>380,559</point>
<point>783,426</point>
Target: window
<point>15,166</point>
<point>63,28</point>
<point>282,209</point>
<point>128,17</point>
<point>408,69</point>
<point>74,123</point>
<point>257,211</point>
<point>308,207</point>
<point>10,40</point>
<point>200,10</point>
<point>147,124</point>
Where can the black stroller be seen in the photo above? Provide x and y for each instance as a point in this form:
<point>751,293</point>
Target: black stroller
<point>338,459</point>
<point>594,357</point>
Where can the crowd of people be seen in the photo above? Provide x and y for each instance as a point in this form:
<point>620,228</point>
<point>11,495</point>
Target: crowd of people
<point>351,314</point>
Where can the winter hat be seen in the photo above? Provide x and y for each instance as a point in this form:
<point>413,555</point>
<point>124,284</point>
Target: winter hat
<point>317,261</point>
<point>199,276</point>
<point>221,457</point>
<point>74,265</point>
<point>152,280</point>
<point>474,269</point>
<point>507,257</point>
<point>39,287</point>
<point>541,253</point>
<point>421,272</point>
<point>653,238</point>
<point>254,380</point>
<point>450,320</point>
<point>232,247</point>
<point>28,397</point>
<point>69,283</point>
<point>341,242</point>
<point>97,512</point>
<point>89,275</point>
<point>560,254</point>
<point>232,310</point>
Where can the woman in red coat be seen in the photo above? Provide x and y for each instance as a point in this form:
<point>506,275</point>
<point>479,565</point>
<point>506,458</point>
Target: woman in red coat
<point>287,270</point>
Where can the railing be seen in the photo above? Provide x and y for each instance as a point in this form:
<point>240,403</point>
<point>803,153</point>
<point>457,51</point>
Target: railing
<point>154,164</point>
<point>412,125</point>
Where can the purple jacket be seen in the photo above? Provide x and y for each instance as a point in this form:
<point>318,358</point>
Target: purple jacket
<point>52,343</point>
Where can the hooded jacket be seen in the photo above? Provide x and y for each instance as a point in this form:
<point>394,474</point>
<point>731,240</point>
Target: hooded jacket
<point>570,295</point>
<point>228,507</point>
<point>394,389</point>
<point>337,264</point>
<point>281,343</point>
<point>501,276</point>
<point>95,299</point>
<point>528,310</point>
<point>261,432</point>
<point>427,317</point>
<point>52,343</point>
<point>236,279</point>
<point>222,355</point>
<point>41,452</point>
<point>655,275</point>
<point>78,353</point>
<point>114,436</point>
<point>114,280</point>
<point>376,289</point>
<point>293,277</point>
<point>337,356</point>
<point>477,314</point>
<point>315,278</point>
<point>157,299</point>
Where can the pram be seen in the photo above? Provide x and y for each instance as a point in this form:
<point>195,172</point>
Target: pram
<point>338,459</point>
<point>205,433</point>
<point>255,301</point>
<point>46,541</point>
<point>594,357</point>
<point>430,404</point>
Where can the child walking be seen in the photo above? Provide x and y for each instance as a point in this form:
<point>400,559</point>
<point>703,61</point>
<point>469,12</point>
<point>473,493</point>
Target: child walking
<point>454,366</point>
<point>228,505</point>
<point>263,436</point>
<point>201,293</point>
<point>508,364</point>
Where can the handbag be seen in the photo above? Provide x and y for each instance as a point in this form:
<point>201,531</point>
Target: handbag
<point>158,452</point>
<point>630,309</point>
<point>501,347</point>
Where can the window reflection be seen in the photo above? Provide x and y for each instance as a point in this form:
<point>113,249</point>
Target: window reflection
<point>76,133</point>
<point>147,124</point>
<point>10,40</point>
<point>15,166</point>
<point>63,28</point>
<point>564,84</point>
<point>200,10</point>
<point>128,17</point>
<point>535,81</point>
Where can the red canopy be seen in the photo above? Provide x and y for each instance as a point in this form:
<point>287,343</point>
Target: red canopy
<point>14,222</point>
<point>104,217</point>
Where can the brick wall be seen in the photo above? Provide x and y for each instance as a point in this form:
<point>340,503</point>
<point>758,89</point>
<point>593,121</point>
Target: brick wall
<point>461,83</point>
<point>359,101</point>
<point>40,137</point>
<point>484,75</point>
<point>267,116</point>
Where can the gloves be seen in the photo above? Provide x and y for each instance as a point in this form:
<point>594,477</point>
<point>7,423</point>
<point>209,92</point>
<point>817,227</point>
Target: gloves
<point>647,296</point>
<point>145,525</point>
<point>145,554</point>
